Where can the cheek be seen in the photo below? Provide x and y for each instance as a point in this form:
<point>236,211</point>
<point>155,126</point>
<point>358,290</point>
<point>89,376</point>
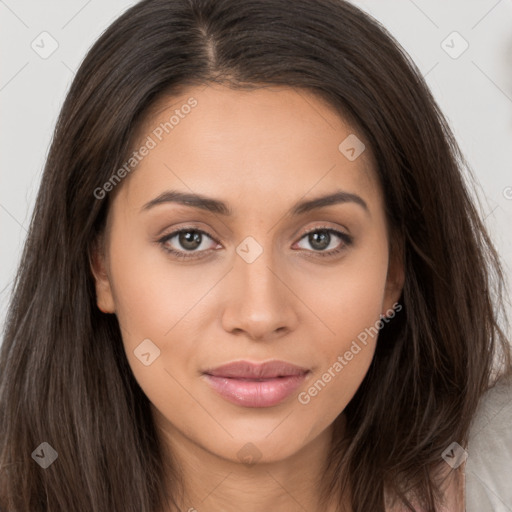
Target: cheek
<point>152,295</point>
<point>350,305</point>
<point>162,302</point>
<point>348,298</point>
<point>346,358</point>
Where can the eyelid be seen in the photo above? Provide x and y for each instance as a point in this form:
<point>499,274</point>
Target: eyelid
<point>343,231</point>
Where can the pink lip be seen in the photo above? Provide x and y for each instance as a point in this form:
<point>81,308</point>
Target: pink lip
<point>256,384</point>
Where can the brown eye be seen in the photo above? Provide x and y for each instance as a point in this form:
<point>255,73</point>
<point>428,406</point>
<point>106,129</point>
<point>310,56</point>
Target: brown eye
<point>320,239</point>
<point>187,240</point>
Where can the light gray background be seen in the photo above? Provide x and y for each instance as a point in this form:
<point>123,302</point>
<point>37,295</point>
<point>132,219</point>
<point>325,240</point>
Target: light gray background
<point>474,90</point>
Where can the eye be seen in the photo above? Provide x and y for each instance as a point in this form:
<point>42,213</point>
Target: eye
<point>322,238</point>
<point>187,240</point>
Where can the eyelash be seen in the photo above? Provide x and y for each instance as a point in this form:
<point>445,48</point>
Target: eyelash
<point>347,241</point>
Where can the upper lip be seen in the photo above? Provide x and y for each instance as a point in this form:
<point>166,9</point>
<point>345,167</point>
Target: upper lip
<point>250,370</point>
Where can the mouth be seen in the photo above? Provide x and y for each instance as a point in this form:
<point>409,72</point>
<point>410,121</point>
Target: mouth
<point>256,384</point>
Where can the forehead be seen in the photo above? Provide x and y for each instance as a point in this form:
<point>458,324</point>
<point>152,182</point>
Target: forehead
<point>265,143</point>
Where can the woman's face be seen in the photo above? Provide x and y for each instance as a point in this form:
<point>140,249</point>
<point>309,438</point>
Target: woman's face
<point>254,285</point>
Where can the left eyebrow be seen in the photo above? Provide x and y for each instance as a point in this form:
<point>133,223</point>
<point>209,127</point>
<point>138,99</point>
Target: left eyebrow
<point>338,197</point>
<point>217,206</point>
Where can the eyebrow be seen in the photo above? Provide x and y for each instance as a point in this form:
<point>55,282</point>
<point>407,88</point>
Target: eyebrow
<point>219,207</point>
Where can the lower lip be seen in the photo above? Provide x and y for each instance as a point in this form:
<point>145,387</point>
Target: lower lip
<point>254,393</point>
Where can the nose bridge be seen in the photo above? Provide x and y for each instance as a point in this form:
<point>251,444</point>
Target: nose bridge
<point>259,301</point>
<point>254,269</point>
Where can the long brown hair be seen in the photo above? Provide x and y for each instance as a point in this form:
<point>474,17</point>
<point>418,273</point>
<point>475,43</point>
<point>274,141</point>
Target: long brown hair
<point>64,377</point>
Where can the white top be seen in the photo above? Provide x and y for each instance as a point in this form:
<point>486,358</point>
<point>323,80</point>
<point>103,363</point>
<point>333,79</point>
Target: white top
<point>481,478</point>
<point>488,467</point>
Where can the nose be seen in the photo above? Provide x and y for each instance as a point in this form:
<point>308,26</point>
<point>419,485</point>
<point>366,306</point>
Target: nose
<point>259,299</point>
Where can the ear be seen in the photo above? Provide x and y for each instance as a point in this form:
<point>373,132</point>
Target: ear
<point>394,282</point>
<point>99,269</point>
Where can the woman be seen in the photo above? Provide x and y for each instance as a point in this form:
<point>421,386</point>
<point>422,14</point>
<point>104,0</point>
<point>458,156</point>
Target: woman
<point>254,278</point>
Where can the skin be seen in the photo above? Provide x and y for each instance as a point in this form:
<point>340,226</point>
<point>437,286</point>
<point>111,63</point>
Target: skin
<point>259,151</point>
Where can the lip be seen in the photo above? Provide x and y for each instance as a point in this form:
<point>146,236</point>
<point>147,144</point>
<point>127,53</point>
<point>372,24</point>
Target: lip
<point>256,384</point>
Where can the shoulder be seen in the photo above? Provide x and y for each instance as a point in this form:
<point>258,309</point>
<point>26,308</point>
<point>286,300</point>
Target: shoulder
<point>489,461</point>
<point>482,482</point>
